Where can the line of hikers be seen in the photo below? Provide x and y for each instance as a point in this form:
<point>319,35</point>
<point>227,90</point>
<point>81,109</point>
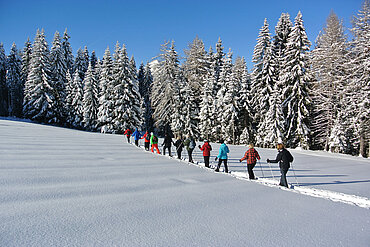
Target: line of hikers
<point>283,157</point>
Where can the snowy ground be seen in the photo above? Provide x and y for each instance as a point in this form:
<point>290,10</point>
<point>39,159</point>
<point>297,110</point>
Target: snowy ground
<point>62,187</point>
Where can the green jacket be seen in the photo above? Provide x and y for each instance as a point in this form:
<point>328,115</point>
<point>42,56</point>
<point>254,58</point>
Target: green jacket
<point>153,142</point>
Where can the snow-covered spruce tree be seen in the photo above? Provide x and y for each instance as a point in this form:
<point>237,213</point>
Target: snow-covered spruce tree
<point>360,83</point>
<point>229,108</point>
<point>58,76</point>
<point>219,57</point>
<point>140,78</point>
<point>4,90</point>
<point>93,60</point>
<point>179,116</point>
<point>126,96</point>
<point>69,99</point>
<point>244,125</point>
<point>329,66</point>
<point>106,106</point>
<point>258,85</point>
<point>280,40</point>
<point>218,130</point>
<point>90,100</point>
<point>164,78</point>
<point>296,81</point>
<point>279,49</point>
<point>208,99</point>
<point>339,139</point>
<point>207,112</point>
<point>274,121</point>
<point>190,111</point>
<point>145,81</point>
<point>269,77</point>
<point>67,51</point>
<point>76,110</point>
<point>26,64</point>
<point>14,82</point>
<point>39,103</point>
<point>81,63</point>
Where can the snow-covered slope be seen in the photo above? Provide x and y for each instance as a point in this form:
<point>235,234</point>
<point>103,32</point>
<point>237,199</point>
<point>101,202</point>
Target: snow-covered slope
<point>61,187</point>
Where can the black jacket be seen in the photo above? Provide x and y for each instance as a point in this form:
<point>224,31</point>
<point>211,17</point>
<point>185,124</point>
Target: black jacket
<point>167,141</point>
<point>284,158</point>
<point>179,145</point>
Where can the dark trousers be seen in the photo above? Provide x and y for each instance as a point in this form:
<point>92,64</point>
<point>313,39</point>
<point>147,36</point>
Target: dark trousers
<point>190,153</point>
<point>128,139</point>
<point>147,145</point>
<point>206,161</point>
<point>219,164</point>
<point>164,150</point>
<point>283,181</point>
<point>137,142</point>
<point>250,170</point>
<point>179,151</point>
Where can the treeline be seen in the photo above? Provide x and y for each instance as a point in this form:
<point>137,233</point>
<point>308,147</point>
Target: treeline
<point>316,99</point>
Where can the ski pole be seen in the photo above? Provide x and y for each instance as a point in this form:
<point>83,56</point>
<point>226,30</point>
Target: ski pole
<point>291,164</point>
<point>271,170</point>
<point>263,175</point>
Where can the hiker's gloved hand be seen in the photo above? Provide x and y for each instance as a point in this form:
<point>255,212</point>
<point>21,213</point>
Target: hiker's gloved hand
<point>268,161</point>
<point>216,159</point>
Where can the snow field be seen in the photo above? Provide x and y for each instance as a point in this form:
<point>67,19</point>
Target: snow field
<point>62,187</point>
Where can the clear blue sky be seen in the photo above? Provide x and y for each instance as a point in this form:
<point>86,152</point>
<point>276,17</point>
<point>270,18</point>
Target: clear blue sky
<point>144,25</point>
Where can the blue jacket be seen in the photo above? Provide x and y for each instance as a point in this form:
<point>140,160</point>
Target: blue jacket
<point>224,150</point>
<point>136,135</point>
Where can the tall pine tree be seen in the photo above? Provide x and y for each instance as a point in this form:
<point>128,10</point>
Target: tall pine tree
<point>14,82</point>
<point>4,90</point>
<point>40,100</point>
<point>296,81</point>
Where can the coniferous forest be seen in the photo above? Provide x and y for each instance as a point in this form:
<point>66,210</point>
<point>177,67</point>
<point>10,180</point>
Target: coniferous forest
<point>309,96</point>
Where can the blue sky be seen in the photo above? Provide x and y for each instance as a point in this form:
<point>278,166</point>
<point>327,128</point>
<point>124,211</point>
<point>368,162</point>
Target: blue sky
<point>144,25</point>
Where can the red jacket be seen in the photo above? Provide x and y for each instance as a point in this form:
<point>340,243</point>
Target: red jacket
<point>206,148</point>
<point>146,135</point>
<point>128,132</point>
<point>251,156</point>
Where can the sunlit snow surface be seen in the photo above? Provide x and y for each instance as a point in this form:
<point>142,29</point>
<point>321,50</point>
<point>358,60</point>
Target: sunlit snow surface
<point>62,187</point>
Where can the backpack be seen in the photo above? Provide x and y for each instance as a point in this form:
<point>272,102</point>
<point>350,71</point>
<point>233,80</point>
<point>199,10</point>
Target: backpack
<point>290,157</point>
<point>192,144</point>
<point>155,139</point>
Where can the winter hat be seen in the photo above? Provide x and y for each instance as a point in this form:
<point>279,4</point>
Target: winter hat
<point>205,140</point>
<point>151,133</point>
<point>280,146</point>
<point>222,141</point>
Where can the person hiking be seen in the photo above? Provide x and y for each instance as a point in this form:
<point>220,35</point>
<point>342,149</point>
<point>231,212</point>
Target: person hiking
<point>222,156</point>
<point>206,148</point>
<point>167,143</point>
<point>284,157</point>
<point>128,133</point>
<point>251,155</point>
<point>154,143</point>
<point>146,138</point>
<point>179,144</point>
<point>136,135</point>
<point>190,145</point>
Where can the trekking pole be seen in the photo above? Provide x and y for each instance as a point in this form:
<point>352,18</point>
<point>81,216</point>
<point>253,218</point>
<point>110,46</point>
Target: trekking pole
<point>271,170</point>
<point>291,164</point>
<point>263,175</point>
